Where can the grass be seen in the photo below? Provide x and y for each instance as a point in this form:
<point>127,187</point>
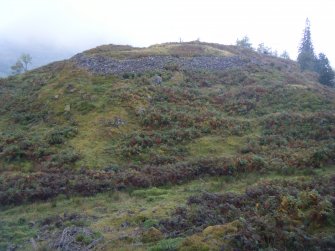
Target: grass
<point>94,138</point>
<point>269,112</point>
<point>177,49</point>
<point>215,146</point>
<point>139,208</point>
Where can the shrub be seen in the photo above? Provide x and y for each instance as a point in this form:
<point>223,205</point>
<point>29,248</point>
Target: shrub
<point>68,156</point>
<point>60,134</point>
<point>271,214</point>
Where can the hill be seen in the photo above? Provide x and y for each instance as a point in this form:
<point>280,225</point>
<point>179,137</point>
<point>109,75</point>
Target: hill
<point>178,146</point>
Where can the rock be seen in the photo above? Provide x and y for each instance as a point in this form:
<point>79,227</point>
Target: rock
<point>152,234</point>
<point>107,65</point>
<point>140,111</point>
<point>125,224</point>
<point>34,244</point>
<point>67,108</point>
<point>70,88</point>
<point>205,83</point>
<point>118,122</point>
<point>124,236</point>
<point>115,122</point>
<point>156,80</point>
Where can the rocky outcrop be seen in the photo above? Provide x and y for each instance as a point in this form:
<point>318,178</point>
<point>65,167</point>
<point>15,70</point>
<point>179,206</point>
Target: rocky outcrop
<point>107,65</point>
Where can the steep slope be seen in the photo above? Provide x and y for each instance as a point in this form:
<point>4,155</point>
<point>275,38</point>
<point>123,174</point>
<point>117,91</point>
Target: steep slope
<point>120,118</point>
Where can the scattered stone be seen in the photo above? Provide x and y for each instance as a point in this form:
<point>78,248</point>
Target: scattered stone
<point>107,229</point>
<point>125,224</point>
<point>205,83</point>
<point>130,212</point>
<point>140,111</point>
<point>115,122</point>
<point>108,65</point>
<point>56,96</point>
<point>124,236</point>
<point>34,244</point>
<point>67,108</point>
<point>70,88</point>
<point>156,80</point>
<point>118,122</point>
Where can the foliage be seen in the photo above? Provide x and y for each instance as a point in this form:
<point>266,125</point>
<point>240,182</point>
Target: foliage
<point>26,59</point>
<point>326,73</point>
<point>285,55</point>
<point>59,135</point>
<point>197,130</point>
<point>21,64</point>
<point>306,56</point>
<point>276,214</point>
<point>264,49</point>
<point>244,42</point>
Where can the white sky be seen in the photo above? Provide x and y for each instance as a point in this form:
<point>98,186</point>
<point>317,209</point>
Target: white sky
<point>82,24</point>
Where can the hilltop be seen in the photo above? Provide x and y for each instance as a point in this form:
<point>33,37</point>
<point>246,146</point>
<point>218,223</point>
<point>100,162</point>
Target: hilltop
<point>169,147</point>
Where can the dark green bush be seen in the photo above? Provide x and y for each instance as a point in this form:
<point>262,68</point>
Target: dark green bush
<point>60,134</point>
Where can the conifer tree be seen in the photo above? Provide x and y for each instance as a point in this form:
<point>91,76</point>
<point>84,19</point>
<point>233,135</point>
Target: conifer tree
<point>306,57</point>
<point>326,73</point>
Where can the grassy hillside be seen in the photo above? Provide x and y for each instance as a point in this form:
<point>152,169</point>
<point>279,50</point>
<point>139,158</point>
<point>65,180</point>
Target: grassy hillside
<point>207,146</point>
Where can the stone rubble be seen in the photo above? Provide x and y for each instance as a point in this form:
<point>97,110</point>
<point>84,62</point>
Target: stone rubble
<point>107,65</point>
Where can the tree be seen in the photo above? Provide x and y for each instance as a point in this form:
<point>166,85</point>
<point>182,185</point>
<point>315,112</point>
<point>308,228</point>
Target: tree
<point>21,64</point>
<point>306,56</point>
<point>17,68</point>
<point>26,59</point>
<point>264,49</point>
<point>244,42</point>
<point>326,73</point>
<point>285,55</point>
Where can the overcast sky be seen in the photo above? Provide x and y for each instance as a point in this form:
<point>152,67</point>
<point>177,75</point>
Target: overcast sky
<point>82,24</point>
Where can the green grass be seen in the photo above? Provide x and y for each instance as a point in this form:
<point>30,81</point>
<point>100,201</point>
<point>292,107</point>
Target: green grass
<point>215,146</point>
<point>272,111</point>
<point>140,208</point>
<point>177,49</point>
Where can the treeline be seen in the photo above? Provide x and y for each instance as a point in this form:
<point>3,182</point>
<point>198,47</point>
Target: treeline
<point>307,58</point>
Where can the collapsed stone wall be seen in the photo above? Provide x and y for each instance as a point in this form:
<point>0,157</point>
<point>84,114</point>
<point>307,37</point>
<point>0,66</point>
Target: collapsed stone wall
<point>107,65</point>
